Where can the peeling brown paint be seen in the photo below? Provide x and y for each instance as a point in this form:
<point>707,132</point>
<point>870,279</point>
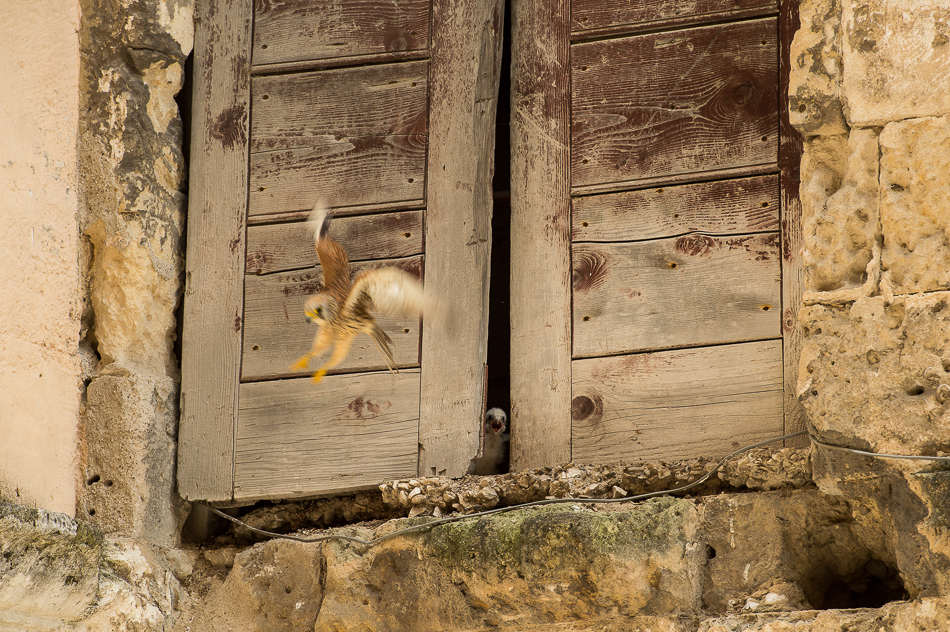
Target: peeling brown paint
<point>230,127</point>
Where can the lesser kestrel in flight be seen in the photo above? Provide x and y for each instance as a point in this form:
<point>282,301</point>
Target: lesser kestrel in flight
<point>343,308</point>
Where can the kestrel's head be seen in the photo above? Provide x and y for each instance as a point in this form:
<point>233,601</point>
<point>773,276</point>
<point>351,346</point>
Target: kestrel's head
<point>319,308</point>
<point>496,420</point>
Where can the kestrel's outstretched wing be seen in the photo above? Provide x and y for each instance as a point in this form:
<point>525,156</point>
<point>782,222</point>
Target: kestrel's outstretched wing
<point>333,259</point>
<point>387,291</point>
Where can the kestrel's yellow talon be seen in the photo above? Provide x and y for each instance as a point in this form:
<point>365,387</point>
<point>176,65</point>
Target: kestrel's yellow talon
<point>300,364</point>
<point>319,376</point>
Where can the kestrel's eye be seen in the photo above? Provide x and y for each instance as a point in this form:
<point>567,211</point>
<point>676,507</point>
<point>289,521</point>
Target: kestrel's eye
<point>319,311</point>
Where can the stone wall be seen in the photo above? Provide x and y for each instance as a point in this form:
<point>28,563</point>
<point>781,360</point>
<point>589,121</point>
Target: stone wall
<point>869,93</point>
<point>41,284</point>
<point>132,218</point>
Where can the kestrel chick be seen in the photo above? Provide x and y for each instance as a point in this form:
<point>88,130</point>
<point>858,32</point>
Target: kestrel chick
<point>494,459</point>
<point>342,309</point>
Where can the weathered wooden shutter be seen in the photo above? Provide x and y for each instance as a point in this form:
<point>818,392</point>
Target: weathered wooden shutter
<point>387,110</point>
<point>655,274</point>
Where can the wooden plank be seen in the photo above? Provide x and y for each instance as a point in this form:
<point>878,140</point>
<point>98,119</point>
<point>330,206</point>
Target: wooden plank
<point>793,270</point>
<point>463,89</point>
<point>349,432</point>
<point>292,30</point>
<point>294,111</point>
<point>683,291</point>
<point>743,205</point>
<point>280,247</point>
<point>276,332</point>
<point>676,179</point>
<point>353,171</point>
<point>214,274</point>
<point>307,65</point>
<point>678,102</point>
<point>589,15</point>
<point>676,404</point>
<point>540,234</point>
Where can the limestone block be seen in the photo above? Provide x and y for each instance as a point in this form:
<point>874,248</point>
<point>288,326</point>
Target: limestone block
<point>814,91</point>
<point>878,372</point>
<point>780,551</point>
<point>915,204</point>
<point>127,482</point>
<point>49,567</point>
<point>896,57</point>
<point>925,615</point>
<point>839,195</point>
<point>521,568</point>
<point>273,587</point>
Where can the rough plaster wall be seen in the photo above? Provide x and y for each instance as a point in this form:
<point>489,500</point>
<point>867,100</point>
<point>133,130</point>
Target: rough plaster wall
<point>868,91</point>
<point>133,221</point>
<point>40,285</point>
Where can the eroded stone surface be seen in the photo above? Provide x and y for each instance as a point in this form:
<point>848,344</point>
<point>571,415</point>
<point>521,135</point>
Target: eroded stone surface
<point>896,54</point>
<point>132,193</point>
<point>787,552</point>
<point>839,196</point>
<point>522,567</point>
<point>915,204</point>
<point>874,371</point>
<point>814,92</point>
<point>926,615</point>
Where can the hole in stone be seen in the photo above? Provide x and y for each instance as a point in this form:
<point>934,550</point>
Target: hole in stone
<point>870,586</point>
<point>109,483</point>
<point>411,180</point>
<point>264,97</point>
<point>766,308</point>
<point>659,190</point>
<point>407,235</point>
<point>765,139</point>
<point>584,161</point>
<point>287,589</point>
<point>256,348</point>
<point>584,224</point>
<point>710,552</point>
<point>263,46</point>
<point>405,331</point>
<point>93,480</point>
<point>92,512</point>
<point>915,390</point>
<point>802,108</point>
<point>764,204</point>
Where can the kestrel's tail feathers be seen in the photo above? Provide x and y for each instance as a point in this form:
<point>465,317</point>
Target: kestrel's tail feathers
<point>319,221</point>
<point>383,342</point>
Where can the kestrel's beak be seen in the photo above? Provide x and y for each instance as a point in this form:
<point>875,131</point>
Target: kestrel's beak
<point>495,426</point>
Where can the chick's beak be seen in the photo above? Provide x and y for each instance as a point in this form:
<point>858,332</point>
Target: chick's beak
<point>495,426</point>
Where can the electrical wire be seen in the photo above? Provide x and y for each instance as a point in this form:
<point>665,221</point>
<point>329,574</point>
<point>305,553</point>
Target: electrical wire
<point>881,455</point>
<point>559,501</point>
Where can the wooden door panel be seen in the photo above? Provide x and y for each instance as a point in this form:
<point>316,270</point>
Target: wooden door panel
<point>676,404</point>
<point>295,110</point>
<point>725,207</point>
<point>348,172</point>
<point>276,332</point>
<point>351,432</point>
<point>677,102</point>
<point>600,14</point>
<point>289,246</point>
<point>683,291</point>
<point>294,30</point>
